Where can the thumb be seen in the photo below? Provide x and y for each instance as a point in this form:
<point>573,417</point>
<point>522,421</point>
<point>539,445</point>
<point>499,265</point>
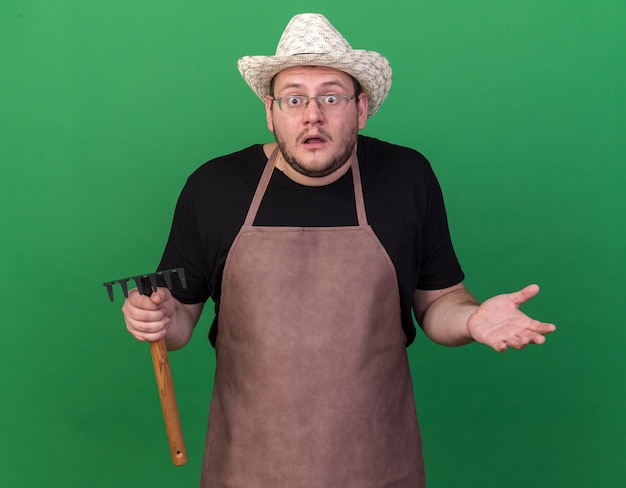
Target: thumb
<point>524,294</point>
<point>160,296</point>
<point>165,301</point>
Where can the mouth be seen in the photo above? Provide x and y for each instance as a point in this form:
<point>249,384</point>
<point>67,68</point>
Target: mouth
<point>313,140</point>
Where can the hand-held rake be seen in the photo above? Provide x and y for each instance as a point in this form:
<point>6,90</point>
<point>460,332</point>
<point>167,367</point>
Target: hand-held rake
<point>146,285</point>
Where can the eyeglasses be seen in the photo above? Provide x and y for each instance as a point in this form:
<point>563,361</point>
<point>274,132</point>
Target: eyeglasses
<point>328,104</point>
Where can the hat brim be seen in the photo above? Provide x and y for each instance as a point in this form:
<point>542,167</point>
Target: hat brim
<point>369,68</point>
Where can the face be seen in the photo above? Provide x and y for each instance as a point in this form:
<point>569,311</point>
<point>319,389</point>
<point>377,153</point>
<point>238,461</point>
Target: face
<point>312,143</point>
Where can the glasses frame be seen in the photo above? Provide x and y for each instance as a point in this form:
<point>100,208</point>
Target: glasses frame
<point>317,98</point>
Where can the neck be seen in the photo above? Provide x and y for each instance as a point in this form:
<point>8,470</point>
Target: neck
<point>301,179</point>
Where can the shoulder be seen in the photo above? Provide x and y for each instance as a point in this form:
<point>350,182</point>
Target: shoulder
<point>224,183</point>
<point>230,166</point>
<point>394,164</point>
<point>380,151</point>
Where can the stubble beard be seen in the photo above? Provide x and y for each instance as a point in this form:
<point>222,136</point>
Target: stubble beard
<point>333,164</point>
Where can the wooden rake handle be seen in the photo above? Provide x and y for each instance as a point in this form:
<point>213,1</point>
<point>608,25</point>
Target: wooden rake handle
<point>146,285</point>
<point>165,384</point>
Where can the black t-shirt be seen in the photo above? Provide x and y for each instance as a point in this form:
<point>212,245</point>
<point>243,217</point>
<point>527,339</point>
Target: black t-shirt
<point>402,198</point>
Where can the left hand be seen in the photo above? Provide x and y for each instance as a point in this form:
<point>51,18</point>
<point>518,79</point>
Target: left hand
<point>499,323</point>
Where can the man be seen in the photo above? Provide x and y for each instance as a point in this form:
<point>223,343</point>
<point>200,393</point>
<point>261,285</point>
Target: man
<point>315,250</point>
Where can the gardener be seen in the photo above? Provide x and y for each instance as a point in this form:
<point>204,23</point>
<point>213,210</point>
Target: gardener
<point>316,249</point>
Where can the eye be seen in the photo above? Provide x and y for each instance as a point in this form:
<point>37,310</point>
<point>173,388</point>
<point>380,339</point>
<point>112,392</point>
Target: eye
<point>294,101</point>
<point>331,99</point>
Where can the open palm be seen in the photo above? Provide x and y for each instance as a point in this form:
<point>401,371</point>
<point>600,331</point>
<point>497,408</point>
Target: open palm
<point>499,323</point>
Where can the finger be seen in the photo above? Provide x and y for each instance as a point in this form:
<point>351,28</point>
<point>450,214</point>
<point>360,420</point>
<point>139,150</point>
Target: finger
<point>500,346</point>
<point>141,321</point>
<point>147,321</point>
<point>146,316</point>
<point>518,341</point>
<point>142,310</point>
<point>147,331</point>
<point>536,331</point>
<point>147,336</point>
<point>137,300</point>
<point>537,339</point>
<point>537,327</point>
<point>542,328</point>
<point>524,294</point>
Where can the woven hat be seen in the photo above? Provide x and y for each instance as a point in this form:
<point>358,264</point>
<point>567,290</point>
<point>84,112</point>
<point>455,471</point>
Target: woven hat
<point>311,40</point>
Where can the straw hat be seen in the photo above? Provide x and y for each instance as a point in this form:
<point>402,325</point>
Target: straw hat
<point>311,40</point>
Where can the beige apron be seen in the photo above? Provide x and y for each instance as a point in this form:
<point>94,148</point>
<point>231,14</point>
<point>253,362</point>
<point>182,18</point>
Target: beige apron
<point>312,384</point>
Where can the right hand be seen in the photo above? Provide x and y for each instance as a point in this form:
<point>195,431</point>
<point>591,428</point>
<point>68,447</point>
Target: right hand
<point>147,317</point>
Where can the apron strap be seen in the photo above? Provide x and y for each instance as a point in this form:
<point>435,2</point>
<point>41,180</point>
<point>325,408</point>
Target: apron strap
<point>267,174</point>
<point>261,187</point>
<point>358,192</point>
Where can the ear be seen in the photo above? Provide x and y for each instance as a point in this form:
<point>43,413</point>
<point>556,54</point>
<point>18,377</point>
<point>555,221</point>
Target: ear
<point>268,113</point>
<point>362,108</point>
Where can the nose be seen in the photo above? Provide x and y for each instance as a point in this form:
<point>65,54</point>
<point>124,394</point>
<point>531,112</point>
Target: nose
<point>313,110</point>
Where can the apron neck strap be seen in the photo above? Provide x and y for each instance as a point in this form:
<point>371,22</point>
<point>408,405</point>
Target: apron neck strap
<point>267,174</point>
<point>358,191</point>
<point>261,187</point>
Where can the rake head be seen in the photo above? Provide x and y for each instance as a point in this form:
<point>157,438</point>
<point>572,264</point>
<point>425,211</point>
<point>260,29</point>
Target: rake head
<point>147,283</point>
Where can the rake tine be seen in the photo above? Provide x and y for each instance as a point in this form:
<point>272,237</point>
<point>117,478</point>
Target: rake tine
<point>153,281</point>
<point>181,277</point>
<point>109,286</point>
<point>138,280</point>
<point>168,279</point>
<point>124,285</point>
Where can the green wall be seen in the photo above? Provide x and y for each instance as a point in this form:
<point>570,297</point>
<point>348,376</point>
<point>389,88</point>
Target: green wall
<point>106,107</point>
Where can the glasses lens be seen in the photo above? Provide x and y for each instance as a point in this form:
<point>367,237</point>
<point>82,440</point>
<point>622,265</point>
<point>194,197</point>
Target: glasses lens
<point>328,104</point>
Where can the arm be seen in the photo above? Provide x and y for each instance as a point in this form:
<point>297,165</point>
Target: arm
<point>453,317</point>
<point>160,315</point>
